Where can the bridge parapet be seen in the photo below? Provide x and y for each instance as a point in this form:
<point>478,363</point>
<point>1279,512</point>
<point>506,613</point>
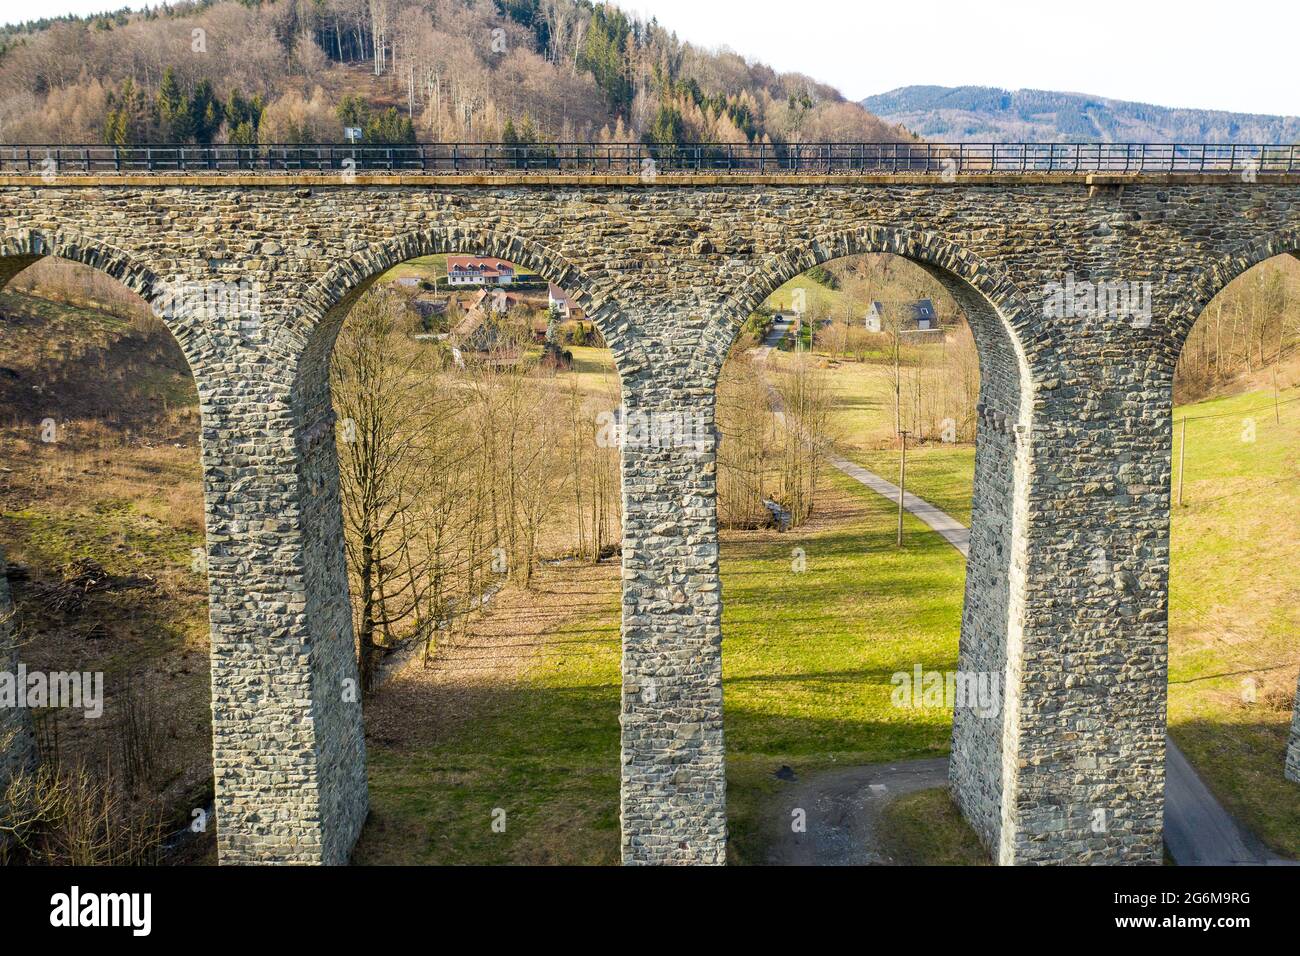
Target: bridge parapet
<point>649,160</point>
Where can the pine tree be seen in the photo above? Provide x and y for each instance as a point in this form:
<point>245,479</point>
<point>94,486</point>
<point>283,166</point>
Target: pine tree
<point>205,112</point>
<point>177,124</point>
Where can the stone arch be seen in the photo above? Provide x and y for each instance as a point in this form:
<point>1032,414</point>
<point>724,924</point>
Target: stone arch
<point>1003,311</point>
<point>25,247</point>
<point>20,249</point>
<point>1000,317</point>
<point>1214,277</point>
<point>327,302</point>
<point>311,331</point>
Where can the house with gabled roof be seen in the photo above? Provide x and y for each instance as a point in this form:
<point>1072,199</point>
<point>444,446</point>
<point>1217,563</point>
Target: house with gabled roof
<point>918,316</point>
<point>479,270</point>
<point>563,303</point>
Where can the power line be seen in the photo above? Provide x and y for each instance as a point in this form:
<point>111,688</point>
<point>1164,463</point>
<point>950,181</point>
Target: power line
<point>1237,414</point>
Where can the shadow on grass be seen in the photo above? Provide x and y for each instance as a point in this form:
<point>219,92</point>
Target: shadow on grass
<point>543,764</point>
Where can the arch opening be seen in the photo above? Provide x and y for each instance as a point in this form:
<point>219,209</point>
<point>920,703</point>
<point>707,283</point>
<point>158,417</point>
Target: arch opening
<point>471,501</point>
<point>828,623</point>
<point>107,725</point>
<point>1234,371</point>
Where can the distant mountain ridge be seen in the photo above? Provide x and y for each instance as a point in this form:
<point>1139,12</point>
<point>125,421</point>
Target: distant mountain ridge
<point>984,114</point>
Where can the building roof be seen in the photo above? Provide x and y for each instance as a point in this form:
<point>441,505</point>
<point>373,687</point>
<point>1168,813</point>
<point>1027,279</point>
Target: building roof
<point>469,322</point>
<point>479,265</point>
<point>920,310</point>
<point>500,300</point>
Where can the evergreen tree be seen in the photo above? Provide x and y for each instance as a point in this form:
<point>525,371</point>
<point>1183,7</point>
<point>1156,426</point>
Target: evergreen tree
<point>353,111</point>
<point>668,128</point>
<point>129,119</point>
<point>243,117</point>
<point>206,113</point>
<point>389,128</point>
<point>173,107</point>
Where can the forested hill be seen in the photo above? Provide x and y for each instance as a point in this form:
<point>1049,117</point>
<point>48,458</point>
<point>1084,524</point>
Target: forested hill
<point>403,70</point>
<point>985,114</point>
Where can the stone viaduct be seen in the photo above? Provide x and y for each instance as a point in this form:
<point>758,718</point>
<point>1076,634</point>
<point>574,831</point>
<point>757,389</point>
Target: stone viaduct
<point>1067,580</point>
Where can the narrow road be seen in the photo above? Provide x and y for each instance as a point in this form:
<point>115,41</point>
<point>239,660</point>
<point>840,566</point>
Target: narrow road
<point>781,323</point>
<point>944,524</point>
<point>1198,830</point>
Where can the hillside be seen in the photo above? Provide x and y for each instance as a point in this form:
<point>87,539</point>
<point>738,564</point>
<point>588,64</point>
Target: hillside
<point>987,114</point>
<point>420,70</point>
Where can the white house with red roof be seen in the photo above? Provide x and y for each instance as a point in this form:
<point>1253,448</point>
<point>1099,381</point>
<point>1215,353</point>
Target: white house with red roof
<point>563,303</point>
<point>478,270</point>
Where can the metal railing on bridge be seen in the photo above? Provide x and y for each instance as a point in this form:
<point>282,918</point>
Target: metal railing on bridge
<point>647,161</point>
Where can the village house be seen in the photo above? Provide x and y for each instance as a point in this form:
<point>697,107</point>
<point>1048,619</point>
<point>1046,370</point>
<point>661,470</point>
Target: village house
<point>477,332</point>
<point>563,303</point>
<point>918,316</point>
<point>481,329</point>
<point>495,301</point>
<point>477,270</point>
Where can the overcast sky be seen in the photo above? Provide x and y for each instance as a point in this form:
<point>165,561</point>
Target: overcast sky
<point>1229,56</point>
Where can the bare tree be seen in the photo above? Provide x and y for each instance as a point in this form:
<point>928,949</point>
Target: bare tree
<point>378,380</point>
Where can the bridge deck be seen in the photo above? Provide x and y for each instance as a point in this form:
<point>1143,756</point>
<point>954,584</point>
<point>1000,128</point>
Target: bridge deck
<point>443,181</point>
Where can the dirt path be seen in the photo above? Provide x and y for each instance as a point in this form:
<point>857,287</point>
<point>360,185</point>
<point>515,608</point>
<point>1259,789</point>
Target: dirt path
<point>843,810</point>
<point>421,703</point>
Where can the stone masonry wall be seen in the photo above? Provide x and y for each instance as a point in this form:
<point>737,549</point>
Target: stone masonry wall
<point>1067,592</point>
<point>976,768</point>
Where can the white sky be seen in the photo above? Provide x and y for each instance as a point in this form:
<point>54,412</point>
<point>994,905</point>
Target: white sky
<point>1210,55</point>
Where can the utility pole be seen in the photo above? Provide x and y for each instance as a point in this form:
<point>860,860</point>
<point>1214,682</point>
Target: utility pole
<point>1182,460</point>
<point>1277,419</point>
<point>902,483</point>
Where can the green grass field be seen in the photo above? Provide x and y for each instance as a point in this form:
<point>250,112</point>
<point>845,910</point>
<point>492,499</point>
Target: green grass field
<point>421,267</point>
<point>1234,606</point>
<point>816,297</point>
<point>808,657</point>
<point>544,750</point>
<point>807,661</point>
<point>926,829</point>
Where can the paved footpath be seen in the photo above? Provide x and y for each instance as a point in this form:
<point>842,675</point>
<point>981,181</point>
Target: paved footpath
<point>1198,830</point>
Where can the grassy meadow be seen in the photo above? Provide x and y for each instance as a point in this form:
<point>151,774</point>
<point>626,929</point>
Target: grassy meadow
<point>1234,606</point>
<point>807,661</point>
